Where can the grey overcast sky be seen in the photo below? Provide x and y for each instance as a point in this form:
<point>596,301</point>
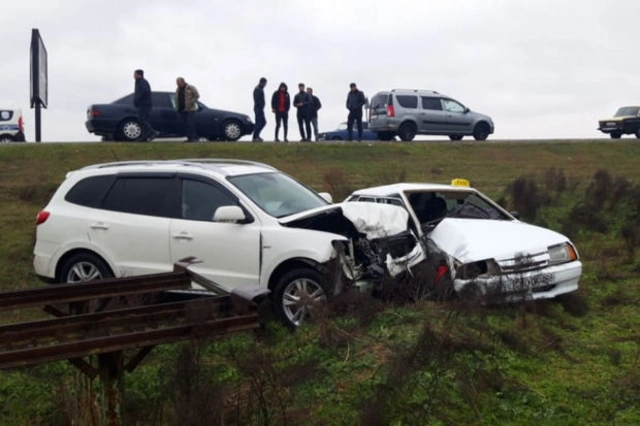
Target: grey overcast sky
<point>539,68</point>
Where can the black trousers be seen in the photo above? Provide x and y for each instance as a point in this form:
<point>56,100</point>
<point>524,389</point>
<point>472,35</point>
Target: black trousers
<point>190,127</point>
<point>282,118</point>
<point>143,119</point>
<point>354,115</point>
<point>303,118</point>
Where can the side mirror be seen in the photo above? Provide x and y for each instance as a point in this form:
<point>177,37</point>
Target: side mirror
<point>326,196</point>
<point>515,214</point>
<point>232,214</point>
<point>466,110</point>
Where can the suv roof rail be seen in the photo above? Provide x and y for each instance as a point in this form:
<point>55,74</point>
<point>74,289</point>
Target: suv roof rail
<point>192,162</point>
<point>415,90</point>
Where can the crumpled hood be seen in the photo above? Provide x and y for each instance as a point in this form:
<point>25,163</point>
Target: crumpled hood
<point>373,219</point>
<point>470,240</point>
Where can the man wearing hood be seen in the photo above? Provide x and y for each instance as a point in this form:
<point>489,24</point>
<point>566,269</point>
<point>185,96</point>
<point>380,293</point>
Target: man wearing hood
<point>280,104</point>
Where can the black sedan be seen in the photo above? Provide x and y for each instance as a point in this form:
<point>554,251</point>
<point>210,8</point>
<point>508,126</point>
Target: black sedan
<point>118,120</point>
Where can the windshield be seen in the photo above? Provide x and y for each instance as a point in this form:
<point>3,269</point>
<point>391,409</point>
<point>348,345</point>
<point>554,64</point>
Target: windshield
<point>627,111</point>
<point>434,206</point>
<point>277,194</point>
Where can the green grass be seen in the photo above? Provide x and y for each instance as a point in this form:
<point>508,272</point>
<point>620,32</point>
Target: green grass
<point>570,362</point>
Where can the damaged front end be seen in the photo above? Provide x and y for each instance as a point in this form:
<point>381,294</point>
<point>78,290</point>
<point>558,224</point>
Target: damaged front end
<point>378,241</point>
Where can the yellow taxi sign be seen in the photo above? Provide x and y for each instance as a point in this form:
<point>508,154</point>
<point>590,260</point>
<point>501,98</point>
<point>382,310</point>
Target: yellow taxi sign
<point>460,182</point>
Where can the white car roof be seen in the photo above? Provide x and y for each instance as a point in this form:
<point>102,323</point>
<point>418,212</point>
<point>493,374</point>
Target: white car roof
<point>224,167</point>
<point>388,190</point>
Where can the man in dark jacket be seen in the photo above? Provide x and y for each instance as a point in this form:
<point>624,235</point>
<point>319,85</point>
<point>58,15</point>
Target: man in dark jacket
<point>355,102</point>
<point>314,106</point>
<point>142,102</point>
<point>280,104</point>
<point>302,101</point>
<point>258,109</point>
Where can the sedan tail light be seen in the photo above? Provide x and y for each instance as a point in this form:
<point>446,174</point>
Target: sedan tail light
<point>42,217</point>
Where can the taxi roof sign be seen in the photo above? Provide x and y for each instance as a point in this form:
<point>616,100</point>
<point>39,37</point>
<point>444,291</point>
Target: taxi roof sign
<point>460,182</point>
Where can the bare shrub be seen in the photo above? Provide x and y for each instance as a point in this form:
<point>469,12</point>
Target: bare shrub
<point>555,180</point>
<point>574,303</point>
<point>526,198</point>
<point>388,177</point>
<point>337,183</point>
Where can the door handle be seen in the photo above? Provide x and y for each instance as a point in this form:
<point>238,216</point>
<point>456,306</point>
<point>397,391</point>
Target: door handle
<point>99,225</point>
<point>183,236</point>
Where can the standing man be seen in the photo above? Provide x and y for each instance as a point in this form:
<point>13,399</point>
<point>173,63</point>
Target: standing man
<point>280,104</point>
<point>186,98</point>
<point>142,102</point>
<point>302,101</point>
<point>258,109</point>
<point>355,102</point>
<point>314,106</point>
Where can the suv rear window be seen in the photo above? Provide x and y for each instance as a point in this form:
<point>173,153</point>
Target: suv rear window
<point>150,196</point>
<point>89,192</point>
<point>407,101</point>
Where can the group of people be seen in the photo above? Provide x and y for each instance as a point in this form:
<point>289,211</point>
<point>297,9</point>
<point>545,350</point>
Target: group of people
<point>186,102</point>
<point>307,106</point>
<point>306,103</point>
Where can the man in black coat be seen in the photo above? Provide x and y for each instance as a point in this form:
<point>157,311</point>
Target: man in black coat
<point>355,102</point>
<point>142,102</point>
<point>280,104</point>
<point>314,106</point>
<point>258,109</point>
<point>302,101</point>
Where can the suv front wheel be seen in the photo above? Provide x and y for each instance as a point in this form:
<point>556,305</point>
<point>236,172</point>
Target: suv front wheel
<point>296,293</point>
<point>407,131</point>
<point>481,132</point>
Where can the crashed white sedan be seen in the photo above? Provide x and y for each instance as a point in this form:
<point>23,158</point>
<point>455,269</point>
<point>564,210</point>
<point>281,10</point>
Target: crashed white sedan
<point>481,248</point>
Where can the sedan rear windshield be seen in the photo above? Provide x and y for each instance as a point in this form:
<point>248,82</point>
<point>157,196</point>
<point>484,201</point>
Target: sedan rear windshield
<point>277,194</point>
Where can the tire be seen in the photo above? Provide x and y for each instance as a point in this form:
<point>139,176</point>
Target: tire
<point>481,132</point>
<point>232,130</point>
<point>129,130</point>
<point>615,135</point>
<point>407,132</point>
<point>286,297</point>
<point>6,138</point>
<point>638,134</point>
<point>456,137</point>
<point>386,136</point>
<point>336,138</point>
<point>84,267</point>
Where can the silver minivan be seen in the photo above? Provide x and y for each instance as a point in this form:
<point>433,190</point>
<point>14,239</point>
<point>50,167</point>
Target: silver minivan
<point>407,113</point>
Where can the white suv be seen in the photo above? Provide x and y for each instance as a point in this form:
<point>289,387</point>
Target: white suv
<point>11,125</point>
<point>249,224</point>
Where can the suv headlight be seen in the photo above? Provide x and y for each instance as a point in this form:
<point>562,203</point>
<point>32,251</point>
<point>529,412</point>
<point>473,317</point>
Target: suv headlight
<point>562,253</point>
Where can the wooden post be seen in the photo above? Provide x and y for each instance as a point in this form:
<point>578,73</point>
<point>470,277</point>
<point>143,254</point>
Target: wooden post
<point>111,372</point>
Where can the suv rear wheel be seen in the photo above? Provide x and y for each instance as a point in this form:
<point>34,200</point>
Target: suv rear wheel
<point>83,267</point>
<point>481,132</point>
<point>407,131</point>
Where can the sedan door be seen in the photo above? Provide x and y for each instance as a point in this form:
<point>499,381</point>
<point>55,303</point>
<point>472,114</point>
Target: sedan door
<point>458,118</point>
<point>230,252</point>
<point>164,117</point>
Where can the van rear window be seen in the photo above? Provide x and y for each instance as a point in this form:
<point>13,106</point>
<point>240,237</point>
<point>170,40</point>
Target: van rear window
<point>5,115</point>
<point>407,101</point>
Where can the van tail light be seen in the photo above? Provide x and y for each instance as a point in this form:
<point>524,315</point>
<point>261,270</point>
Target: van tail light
<point>20,124</point>
<point>390,111</point>
<point>42,217</point>
<point>441,272</point>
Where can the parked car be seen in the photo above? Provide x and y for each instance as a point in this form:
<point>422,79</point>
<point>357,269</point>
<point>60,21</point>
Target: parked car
<point>483,248</point>
<point>408,113</point>
<point>118,120</point>
<point>11,125</point>
<point>249,224</point>
<point>626,121</point>
<point>341,134</point>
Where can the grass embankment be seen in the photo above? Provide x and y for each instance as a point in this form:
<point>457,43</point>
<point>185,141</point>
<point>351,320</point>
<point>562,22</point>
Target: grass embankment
<point>574,361</point>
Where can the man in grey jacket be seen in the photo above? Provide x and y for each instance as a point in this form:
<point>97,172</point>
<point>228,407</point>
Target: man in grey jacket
<point>355,102</point>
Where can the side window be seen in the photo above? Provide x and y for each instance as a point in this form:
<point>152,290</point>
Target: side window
<point>367,199</point>
<point>407,101</point>
<point>161,100</point>
<point>200,200</point>
<point>89,192</point>
<point>431,103</point>
<point>150,196</point>
<point>452,106</point>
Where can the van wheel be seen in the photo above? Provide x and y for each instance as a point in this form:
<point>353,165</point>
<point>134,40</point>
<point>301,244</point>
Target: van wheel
<point>455,137</point>
<point>84,267</point>
<point>6,138</point>
<point>407,132</point>
<point>481,132</point>
<point>386,136</point>
<point>295,295</point>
